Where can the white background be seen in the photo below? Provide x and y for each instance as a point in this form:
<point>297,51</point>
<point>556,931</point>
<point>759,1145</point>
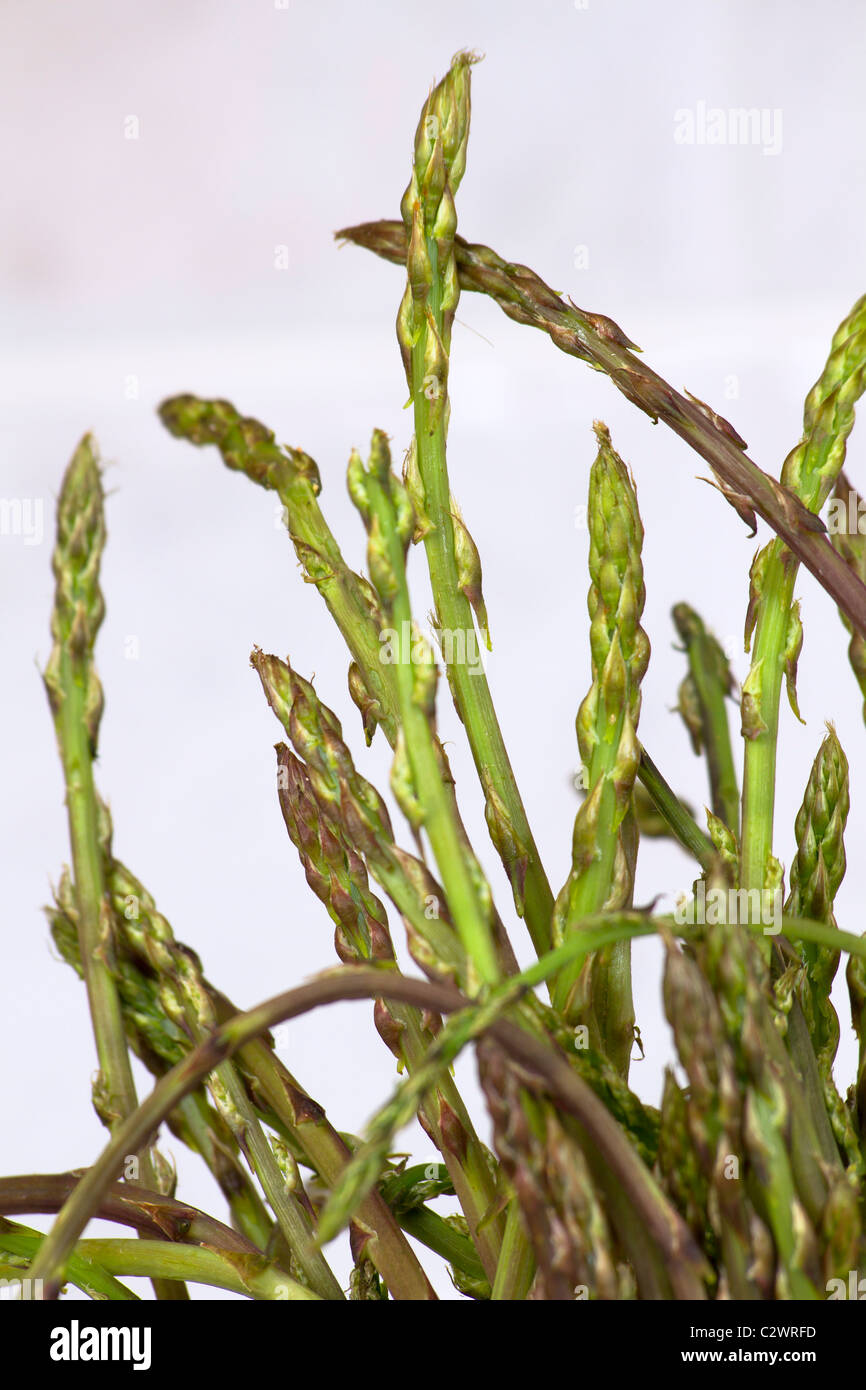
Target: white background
<point>263,126</point>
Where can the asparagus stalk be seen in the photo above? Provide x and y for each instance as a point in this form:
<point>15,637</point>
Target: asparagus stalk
<point>424,333</point>
<point>160,1043</point>
<point>94,1263</point>
<point>187,1001</point>
<point>809,473</point>
<point>850,542</point>
<point>76,700</point>
<point>702,705</point>
<point>790,1165</point>
<point>705,1130</point>
<point>150,1213</point>
<point>349,799</point>
<point>388,515</point>
<point>368,1162</point>
<point>278,1097</point>
<point>18,1245</point>
<point>599,996</point>
<point>287,1108</point>
<point>337,876</point>
<point>673,812</point>
<point>816,873</point>
<point>75,696</point>
<point>247,446</point>
<point>596,339</point>
<point>560,1204</point>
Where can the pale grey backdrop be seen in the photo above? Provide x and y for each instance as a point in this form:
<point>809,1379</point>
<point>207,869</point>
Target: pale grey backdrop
<point>133,268</point>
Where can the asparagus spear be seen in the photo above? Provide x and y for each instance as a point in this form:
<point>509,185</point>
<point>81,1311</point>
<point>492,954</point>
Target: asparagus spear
<point>559,1202</point>
<point>249,447</point>
<point>604,830</point>
<point>671,812</point>
<point>337,876</point>
<point>186,999</point>
<point>704,1129</point>
<point>702,705</point>
<point>349,799</point>
<point>424,334</point>
<point>388,515</point>
<point>596,339</point>
<point>75,696</point>
<point>850,542</point>
<point>160,1043</point>
<point>809,472</point>
<point>816,873</point>
<point>789,1168</point>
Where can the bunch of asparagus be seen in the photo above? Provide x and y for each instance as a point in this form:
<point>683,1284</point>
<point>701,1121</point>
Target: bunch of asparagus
<point>747,1181</point>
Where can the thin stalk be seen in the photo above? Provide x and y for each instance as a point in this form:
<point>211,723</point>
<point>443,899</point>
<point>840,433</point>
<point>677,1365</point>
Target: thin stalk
<point>294,1113</point>
<point>683,825</point>
<point>431,806</point>
<point>439,1236</point>
<point>424,333</point>
<point>809,472</point>
<point>711,682</point>
<point>186,999</point>
<point>18,1245</point>
<point>289,1211</point>
<point>75,697</point>
<point>195,1123</point>
<point>93,1264</point>
<point>338,877</point>
<point>604,844</point>
<point>596,339</point>
<point>250,1275</point>
<point>516,1266</point>
<point>761,693</point>
<point>150,1213</point>
<point>159,1043</point>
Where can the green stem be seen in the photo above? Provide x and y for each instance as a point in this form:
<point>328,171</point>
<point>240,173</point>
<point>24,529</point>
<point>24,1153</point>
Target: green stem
<point>454,617</point>
<point>75,697</point>
<point>250,1275</point>
<point>764,687</point>
<point>711,680</point>
<point>516,1267</point>
<point>291,1217</point>
<point>18,1246</point>
<point>304,1122</point>
<point>193,1123</point>
<point>460,887</point>
<point>434,1231</point>
<point>683,825</point>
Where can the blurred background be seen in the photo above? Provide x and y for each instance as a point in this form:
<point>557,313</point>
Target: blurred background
<point>173,176</point>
